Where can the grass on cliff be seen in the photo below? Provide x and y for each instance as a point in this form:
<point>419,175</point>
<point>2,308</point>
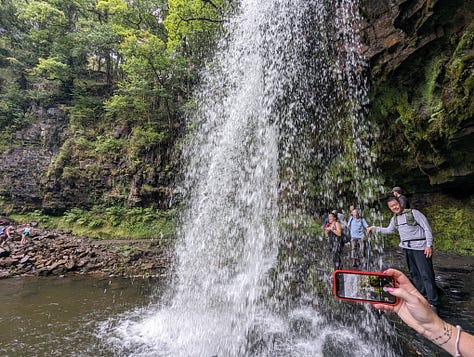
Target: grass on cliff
<point>108,223</point>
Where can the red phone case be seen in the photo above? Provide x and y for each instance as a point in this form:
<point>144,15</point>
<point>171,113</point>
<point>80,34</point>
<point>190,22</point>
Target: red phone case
<point>387,295</point>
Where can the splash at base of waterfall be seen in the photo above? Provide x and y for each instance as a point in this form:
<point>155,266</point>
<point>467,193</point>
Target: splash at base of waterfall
<point>153,332</point>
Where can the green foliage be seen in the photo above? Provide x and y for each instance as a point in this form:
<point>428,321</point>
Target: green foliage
<point>41,14</point>
<point>112,222</point>
<point>192,24</point>
<point>44,221</point>
<point>452,222</point>
<point>144,139</point>
<point>118,77</point>
<point>52,69</point>
<point>299,223</point>
<point>86,113</point>
<point>453,228</point>
<point>109,145</point>
<point>13,106</point>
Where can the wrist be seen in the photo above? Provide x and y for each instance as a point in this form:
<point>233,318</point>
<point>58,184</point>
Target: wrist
<point>439,332</point>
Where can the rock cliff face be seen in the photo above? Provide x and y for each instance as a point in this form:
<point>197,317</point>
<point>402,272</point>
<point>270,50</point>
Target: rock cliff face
<point>420,59</point>
<point>25,165</point>
<point>395,30</point>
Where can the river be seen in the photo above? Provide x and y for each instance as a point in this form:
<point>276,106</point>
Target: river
<point>52,316</point>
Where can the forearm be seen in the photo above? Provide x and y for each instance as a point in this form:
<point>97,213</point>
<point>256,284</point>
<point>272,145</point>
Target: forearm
<point>387,230</point>
<point>383,230</point>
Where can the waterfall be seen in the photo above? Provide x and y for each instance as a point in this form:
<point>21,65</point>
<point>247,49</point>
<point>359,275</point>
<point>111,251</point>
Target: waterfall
<point>282,99</point>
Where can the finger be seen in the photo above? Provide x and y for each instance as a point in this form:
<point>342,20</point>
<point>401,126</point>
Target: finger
<point>382,307</point>
<point>411,297</point>
<point>398,275</point>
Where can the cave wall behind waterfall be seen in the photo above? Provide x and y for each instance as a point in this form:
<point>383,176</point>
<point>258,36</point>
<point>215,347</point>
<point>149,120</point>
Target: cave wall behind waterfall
<point>421,57</point>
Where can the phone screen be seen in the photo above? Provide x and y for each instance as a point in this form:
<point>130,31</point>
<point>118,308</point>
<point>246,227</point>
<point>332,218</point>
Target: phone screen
<point>363,286</point>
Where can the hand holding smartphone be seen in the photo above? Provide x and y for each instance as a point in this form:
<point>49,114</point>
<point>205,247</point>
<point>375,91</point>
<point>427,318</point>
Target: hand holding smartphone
<point>364,286</point>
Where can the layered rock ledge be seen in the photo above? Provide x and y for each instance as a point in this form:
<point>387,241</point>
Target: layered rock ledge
<point>50,252</point>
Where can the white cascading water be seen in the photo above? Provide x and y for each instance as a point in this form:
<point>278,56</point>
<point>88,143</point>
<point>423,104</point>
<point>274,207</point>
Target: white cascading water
<point>269,104</point>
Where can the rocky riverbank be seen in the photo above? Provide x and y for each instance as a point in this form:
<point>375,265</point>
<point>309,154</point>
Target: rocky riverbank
<point>50,252</point>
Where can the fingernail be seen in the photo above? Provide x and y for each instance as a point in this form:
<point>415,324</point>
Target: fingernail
<point>389,289</point>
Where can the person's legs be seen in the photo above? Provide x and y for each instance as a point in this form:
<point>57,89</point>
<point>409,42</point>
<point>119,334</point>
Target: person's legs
<point>353,248</point>
<point>337,250</point>
<point>361,249</point>
<point>415,274</point>
<point>331,243</point>
<point>427,276</point>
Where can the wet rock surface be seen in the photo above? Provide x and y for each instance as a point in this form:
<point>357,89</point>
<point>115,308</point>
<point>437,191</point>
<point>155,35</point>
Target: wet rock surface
<point>50,252</point>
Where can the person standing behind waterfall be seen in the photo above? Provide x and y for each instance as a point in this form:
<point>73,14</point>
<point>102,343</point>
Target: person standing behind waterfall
<point>416,240</point>
<point>357,226</point>
<point>398,193</point>
<point>334,232</point>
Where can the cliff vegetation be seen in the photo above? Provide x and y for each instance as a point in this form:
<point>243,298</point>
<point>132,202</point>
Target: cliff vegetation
<point>94,96</point>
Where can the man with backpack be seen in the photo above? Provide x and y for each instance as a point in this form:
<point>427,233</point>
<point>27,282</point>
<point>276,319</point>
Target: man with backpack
<point>416,241</point>
<point>357,226</point>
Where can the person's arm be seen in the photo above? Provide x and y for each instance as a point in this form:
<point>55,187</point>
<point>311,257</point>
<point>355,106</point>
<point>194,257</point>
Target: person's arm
<point>416,312</point>
<point>327,228</point>
<point>364,223</point>
<point>389,229</point>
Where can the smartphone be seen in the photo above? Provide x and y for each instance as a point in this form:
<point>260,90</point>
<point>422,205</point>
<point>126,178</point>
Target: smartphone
<point>364,286</point>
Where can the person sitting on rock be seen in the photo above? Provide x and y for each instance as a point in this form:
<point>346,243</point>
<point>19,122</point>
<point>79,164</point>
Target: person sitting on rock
<point>25,234</point>
<point>6,234</point>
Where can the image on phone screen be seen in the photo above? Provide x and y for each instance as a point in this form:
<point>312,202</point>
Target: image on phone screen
<point>364,287</point>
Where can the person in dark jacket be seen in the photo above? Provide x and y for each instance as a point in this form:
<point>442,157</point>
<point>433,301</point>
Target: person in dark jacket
<point>397,192</point>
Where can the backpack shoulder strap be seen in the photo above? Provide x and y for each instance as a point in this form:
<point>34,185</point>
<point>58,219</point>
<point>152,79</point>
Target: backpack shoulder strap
<point>410,219</point>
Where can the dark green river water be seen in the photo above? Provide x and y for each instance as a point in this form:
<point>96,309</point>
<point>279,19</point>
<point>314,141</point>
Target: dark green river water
<point>52,316</point>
